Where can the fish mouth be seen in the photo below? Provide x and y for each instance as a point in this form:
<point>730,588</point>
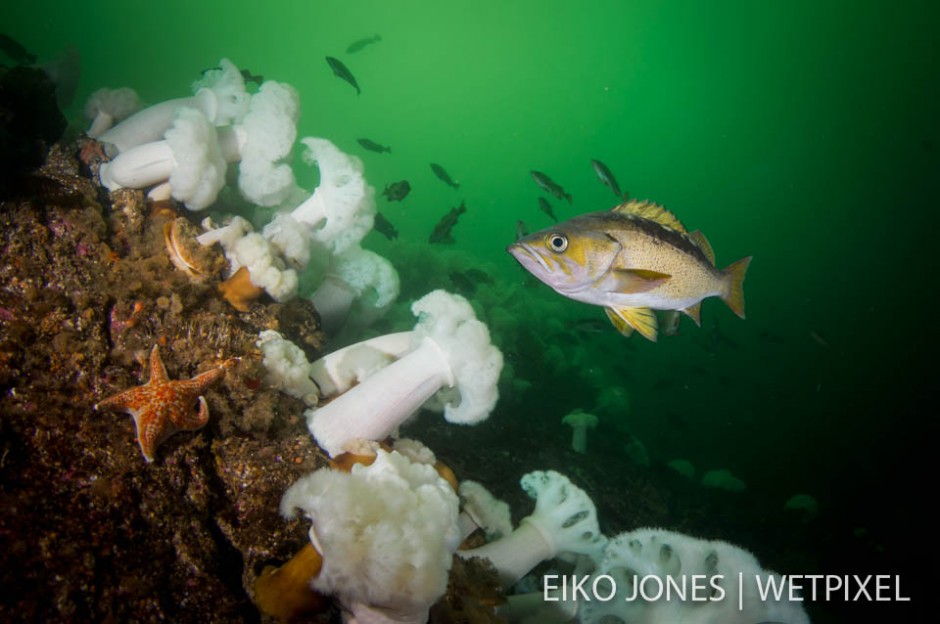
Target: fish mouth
<point>526,257</point>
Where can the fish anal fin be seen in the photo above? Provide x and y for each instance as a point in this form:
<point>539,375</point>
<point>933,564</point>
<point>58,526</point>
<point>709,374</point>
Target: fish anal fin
<point>694,312</point>
<point>628,281</point>
<point>734,274</point>
<point>702,243</point>
<point>619,324</point>
<point>653,212</point>
<point>642,320</point>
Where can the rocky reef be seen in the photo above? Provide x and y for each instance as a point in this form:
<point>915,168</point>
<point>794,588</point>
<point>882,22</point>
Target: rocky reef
<point>91,531</point>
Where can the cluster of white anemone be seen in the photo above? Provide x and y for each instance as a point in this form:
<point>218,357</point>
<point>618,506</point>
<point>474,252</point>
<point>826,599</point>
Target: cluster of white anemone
<point>181,148</point>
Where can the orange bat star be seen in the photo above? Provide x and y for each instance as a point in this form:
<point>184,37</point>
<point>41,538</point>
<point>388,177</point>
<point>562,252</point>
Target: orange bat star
<point>162,406</point>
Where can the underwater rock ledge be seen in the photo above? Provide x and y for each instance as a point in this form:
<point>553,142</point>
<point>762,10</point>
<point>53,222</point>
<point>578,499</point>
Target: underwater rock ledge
<point>91,531</point>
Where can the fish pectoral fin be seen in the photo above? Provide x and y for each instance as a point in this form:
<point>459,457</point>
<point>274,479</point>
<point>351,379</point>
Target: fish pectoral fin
<point>694,312</point>
<point>632,280</point>
<point>627,319</point>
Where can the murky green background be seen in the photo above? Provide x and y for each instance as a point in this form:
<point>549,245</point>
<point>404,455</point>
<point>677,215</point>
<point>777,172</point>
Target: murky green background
<point>802,132</point>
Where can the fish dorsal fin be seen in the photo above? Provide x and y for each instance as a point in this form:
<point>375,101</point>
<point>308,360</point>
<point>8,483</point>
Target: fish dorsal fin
<point>653,212</point>
<point>702,243</point>
<point>642,320</point>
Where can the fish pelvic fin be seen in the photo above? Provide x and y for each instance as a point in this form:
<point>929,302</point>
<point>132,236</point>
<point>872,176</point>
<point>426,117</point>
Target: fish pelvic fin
<point>627,319</point>
<point>694,312</point>
<point>734,276</point>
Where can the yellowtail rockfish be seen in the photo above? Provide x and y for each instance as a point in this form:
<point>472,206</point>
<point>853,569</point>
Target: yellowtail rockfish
<point>632,260</point>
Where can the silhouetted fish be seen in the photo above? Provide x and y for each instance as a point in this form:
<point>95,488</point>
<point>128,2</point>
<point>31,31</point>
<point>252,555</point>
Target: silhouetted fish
<point>669,322</point>
<point>549,185</point>
<point>605,176</point>
<point>341,71</point>
<point>397,191</point>
<point>384,227</point>
<point>247,76</point>
<point>546,207</point>
<point>442,231</point>
<point>372,146</point>
<point>462,284</point>
<point>478,276</point>
<point>443,176</point>
<point>521,230</point>
<point>359,44</point>
<point>15,50</point>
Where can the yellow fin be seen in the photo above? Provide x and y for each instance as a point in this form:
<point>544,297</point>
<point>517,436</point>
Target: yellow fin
<point>734,274</point>
<point>653,212</point>
<point>619,324</point>
<point>631,280</point>
<point>702,243</point>
<point>694,312</point>
<point>642,320</point>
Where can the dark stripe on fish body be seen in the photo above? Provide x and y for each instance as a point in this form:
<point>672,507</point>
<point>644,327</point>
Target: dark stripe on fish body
<point>612,221</point>
<point>670,237</point>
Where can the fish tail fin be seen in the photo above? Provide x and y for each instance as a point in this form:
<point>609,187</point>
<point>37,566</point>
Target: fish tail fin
<point>568,197</point>
<point>734,279</point>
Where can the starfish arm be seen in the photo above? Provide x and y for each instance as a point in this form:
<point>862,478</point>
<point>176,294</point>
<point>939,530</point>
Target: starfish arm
<point>117,401</point>
<point>204,380</point>
<point>188,421</point>
<point>152,429</point>
<point>157,369</point>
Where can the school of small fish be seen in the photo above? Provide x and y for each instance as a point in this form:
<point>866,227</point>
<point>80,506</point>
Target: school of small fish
<point>637,261</point>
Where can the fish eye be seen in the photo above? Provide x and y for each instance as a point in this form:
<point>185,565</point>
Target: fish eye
<point>557,242</point>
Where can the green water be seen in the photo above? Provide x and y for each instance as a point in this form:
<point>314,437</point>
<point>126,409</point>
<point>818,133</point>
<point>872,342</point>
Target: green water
<point>803,133</point>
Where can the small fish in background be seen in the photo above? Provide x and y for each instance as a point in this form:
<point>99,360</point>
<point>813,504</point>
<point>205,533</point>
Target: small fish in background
<point>605,176</point>
<point>443,176</point>
<point>247,76</point>
<point>478,276</point>
<point>589,326</point>
<point>342,72</point>
<point>15,50</point>
<point>372,146</point>
<point>669,322</point>
<point>550,185</point>
<point>632,260</point>
<point>462,284</point>
<point>546,207</point>
<point>397,191</point>
<point>442,232</point>
<point>718,340</point>
<point>818,339</point>
<point>359,44</point>
<point>384,227</point>
<point>522,230</point>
